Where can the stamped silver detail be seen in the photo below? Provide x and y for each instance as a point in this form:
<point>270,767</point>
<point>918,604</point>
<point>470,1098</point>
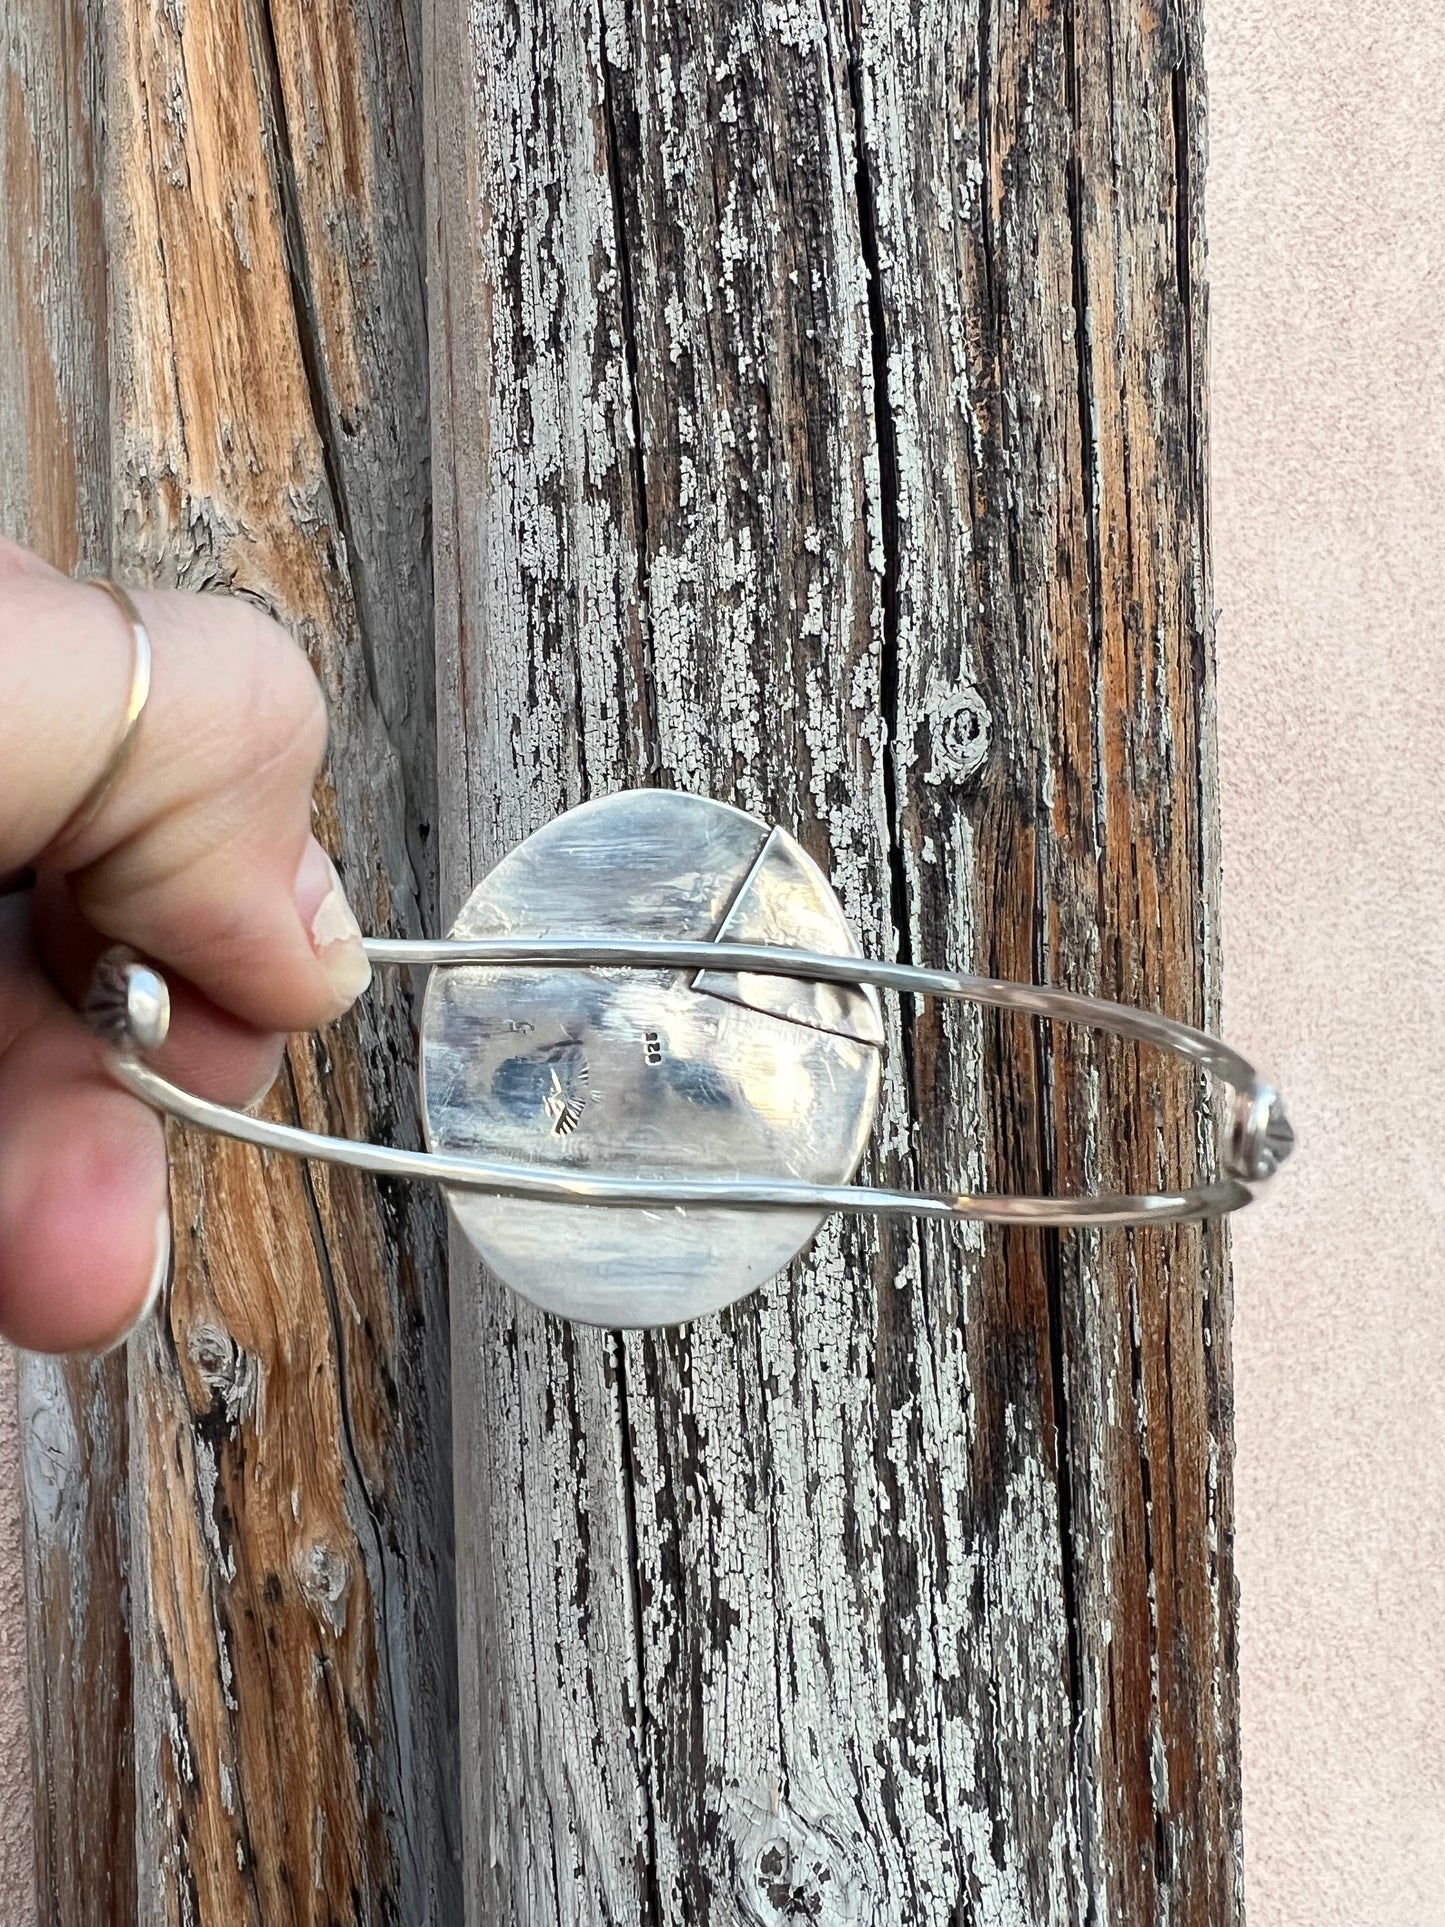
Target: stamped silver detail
<point>1261,1136</point>
<point>128,1004</point>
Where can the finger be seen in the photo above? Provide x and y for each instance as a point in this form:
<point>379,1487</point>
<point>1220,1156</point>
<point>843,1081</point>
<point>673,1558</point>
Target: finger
<point>201,855</point>
<point>84,1224</point>
<point>208,1050</point>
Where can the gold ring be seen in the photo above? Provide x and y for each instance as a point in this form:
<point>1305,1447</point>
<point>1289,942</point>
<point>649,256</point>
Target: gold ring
<point>140,689</point>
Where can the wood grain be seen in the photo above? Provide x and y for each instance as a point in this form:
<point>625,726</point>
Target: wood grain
<point>820,424</point>
<point>290,1505</point>
<point>55,498</point>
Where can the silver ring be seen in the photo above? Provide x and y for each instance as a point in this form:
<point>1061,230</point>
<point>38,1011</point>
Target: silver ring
<point>602,1053</point>
<point>138,696</point>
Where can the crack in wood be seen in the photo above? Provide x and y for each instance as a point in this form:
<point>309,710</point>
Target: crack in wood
<point>885,437</point>
<point>361,1482</point>
<point>650,762</point>
<point>653,1914</point>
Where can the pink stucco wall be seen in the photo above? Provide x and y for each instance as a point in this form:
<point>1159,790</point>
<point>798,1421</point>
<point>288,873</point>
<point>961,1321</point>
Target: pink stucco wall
<point>1326,205</point>
<point>1326,209</point>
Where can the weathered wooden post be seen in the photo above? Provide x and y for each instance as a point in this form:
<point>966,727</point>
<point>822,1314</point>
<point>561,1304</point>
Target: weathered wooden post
<point>818,418</point>
<point>55,497</point>
<point>215,257</point>
<point>818,423</point>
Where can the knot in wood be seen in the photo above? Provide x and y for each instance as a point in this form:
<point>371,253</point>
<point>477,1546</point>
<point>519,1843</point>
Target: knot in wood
<point>796,1872</point>
<point>50,1445</point>
<point>231,1375</point>
<point>959,729</point>
<point>324,1576</point>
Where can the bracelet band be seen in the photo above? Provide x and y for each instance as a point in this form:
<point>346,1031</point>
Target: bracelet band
<point>1259,1137</point>
<point>635,1128</point>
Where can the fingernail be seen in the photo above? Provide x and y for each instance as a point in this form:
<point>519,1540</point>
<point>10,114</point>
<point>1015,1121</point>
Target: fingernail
<point>162,1267</point>
<point>259,1096</point>
<point>263,1091</point>
<point>335,934</point>
<point>159,1273</point>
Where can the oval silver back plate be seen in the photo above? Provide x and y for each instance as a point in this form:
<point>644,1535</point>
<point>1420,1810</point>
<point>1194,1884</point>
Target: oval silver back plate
<point>649,1073</point>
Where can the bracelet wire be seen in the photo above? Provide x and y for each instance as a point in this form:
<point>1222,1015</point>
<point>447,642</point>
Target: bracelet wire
<point>127,1009</point>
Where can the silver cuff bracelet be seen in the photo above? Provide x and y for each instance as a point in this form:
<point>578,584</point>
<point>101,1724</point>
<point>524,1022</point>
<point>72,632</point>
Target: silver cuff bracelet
<point>650,1065</point>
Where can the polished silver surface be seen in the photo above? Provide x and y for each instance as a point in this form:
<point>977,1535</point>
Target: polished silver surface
<point>652,1073</point>
<point>634,1128</point>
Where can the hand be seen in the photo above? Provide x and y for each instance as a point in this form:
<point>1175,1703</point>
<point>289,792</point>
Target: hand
<point>201,857</point>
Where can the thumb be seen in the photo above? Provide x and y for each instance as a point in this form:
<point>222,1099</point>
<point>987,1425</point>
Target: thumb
<point>201,853</point>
